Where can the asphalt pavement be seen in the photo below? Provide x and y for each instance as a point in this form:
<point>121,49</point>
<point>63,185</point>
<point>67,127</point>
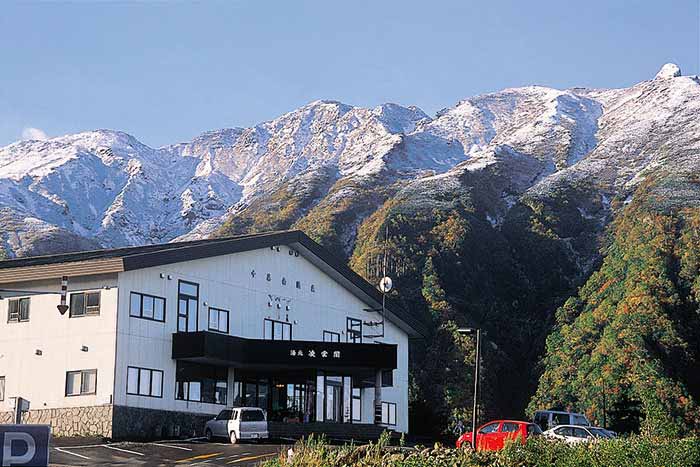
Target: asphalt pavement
<point>195,451</point>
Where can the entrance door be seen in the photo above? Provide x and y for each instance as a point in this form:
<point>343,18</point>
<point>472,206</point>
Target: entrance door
<point>334,399</point>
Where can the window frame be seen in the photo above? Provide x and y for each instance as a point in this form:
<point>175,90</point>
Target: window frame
<point>496,425</point>
<point>355,417</point>
<point>154,297</point>
<point>389,406</point>
<point>71,312</point>
<point>81,373</point>
<point>19,302</point>
<point>351,331</point>
<point>331,333</point>
<point>184,380</point>
<point>150,371</point>
<point>228,319</point>
<point>273,322</point>
<point>187,297</point>
<point>516,427</point>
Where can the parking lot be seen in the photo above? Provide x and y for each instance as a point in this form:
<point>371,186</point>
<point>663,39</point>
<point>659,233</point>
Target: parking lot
<point>196,451</point>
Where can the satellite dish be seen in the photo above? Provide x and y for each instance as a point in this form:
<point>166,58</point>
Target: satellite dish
<point>386,284</point>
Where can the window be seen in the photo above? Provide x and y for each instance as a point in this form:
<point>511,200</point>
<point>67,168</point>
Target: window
<point>356,404</point>
<point>353,332</point>
<point>2,388</point>
<point>560,419</point>
<point>144,382</point>
<point>509,427</point>
<point>490,428</point>
<point>564,431</point>
<point>581,433</point>
<point>18,310</point>
<point>388,413</point>
<point>81,382</point>
<point>542,420</point>
<point>224,415</point>
<point>84,304</point>
<point>277,330</point>
<point>147,307</point>
<point>187,306</point>
<point>252,416</point>
<point>218,320</point>
<point>330,336</point>
<point>199,382</point>
<point>533,429</point>
<point>579,420</point>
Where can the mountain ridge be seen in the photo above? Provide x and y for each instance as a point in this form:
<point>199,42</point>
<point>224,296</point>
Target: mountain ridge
<point>137,194</point>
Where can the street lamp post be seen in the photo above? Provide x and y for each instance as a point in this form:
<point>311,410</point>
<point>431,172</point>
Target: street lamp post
<point>477,364</point>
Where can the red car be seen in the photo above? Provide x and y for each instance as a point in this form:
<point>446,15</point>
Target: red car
<point>493,435</point>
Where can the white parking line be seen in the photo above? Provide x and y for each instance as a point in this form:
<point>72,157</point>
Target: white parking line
<point>171,446</point>
<point>72,453</point>
<point>123,450</point>
<point>80,446</point>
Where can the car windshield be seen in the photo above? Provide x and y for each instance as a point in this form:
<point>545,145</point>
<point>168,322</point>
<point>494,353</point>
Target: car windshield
<point>252,416</point>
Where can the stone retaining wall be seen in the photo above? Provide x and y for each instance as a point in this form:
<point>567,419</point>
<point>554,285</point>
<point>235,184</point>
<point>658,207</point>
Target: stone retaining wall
<point>73,421</point>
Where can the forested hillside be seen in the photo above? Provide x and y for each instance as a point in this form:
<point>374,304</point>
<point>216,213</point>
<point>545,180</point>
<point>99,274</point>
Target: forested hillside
<point>625,349</point>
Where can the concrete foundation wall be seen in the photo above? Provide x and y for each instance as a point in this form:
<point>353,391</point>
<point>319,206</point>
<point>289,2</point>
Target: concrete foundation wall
<point>145,424</point>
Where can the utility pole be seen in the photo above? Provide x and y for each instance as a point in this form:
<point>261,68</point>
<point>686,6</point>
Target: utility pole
<point>477,365</point>
<point>604,408</point>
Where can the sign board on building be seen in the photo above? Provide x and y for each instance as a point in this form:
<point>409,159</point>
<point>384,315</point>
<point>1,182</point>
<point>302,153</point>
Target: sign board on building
<point>24,445</point>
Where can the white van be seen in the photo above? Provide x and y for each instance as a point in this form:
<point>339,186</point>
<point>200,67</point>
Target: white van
<point>238,423</point>
<point>548,419</point>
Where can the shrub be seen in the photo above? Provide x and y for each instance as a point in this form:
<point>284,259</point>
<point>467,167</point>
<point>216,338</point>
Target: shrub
<point>638,451</point>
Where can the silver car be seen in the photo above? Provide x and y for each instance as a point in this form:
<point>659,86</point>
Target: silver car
<point>238,423</point>
<point>573,434</point>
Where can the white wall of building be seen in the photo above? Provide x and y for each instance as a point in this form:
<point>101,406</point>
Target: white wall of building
<point>228,282</point>
<point>41,378</point>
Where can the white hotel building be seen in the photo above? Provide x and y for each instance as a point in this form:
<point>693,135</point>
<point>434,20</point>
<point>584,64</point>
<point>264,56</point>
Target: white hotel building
<point>159,338</point>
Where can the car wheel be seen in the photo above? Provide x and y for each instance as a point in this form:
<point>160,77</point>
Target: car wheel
<point>233,437</point>
<point>208,434</point>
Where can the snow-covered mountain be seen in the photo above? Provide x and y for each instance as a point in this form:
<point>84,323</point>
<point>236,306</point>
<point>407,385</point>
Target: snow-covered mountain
<point>331,160</point>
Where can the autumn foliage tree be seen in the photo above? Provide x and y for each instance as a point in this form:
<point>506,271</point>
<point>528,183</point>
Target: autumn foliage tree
<point>625,349</point>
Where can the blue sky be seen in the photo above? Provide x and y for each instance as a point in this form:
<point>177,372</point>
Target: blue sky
<point>165,72</point>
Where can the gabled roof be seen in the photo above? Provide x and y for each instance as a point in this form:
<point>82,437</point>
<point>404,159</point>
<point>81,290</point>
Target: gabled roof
<point>132,258</point>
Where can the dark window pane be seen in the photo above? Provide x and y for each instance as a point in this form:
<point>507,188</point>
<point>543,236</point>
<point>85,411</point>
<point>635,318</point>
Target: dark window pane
<point>252,416</point>
<point>24,309</point>
<point>89,382</point>
<point>77,304</point>
<point>93,299</point>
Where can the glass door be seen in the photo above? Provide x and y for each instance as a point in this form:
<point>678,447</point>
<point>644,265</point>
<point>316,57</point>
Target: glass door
<point>334,399</point>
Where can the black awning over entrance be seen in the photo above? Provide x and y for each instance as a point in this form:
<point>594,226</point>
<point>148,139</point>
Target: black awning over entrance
<point>222,349</point>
